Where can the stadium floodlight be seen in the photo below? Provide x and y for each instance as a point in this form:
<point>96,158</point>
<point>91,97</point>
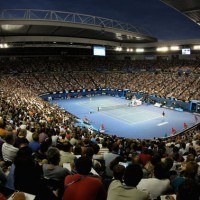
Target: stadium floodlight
<point>196,47</point>
<point>174,48</point>
<point>13,27</point>
<point>129,50</point>
<point>4,45</point>
<point>163,49</point>
<point>139,50</point>
<point>118,49</point>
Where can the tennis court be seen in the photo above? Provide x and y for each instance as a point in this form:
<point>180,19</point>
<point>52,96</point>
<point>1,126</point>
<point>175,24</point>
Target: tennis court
<point>122,112</point>
<point>132,122</point>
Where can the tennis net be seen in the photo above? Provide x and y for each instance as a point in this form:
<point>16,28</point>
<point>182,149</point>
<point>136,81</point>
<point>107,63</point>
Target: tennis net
<point>103,108</point>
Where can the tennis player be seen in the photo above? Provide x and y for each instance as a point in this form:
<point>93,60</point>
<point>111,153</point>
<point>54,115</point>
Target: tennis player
<point>163,114</point>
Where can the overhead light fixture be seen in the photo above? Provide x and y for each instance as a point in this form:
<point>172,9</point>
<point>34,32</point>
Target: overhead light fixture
<point>196,47</point>
<point>3,45</point>
<point>174,48</point>
<point>163,49</point>
<point>9,27</point>
<point>129,50</point>
<point>118,49</point>
<point>139,50</point>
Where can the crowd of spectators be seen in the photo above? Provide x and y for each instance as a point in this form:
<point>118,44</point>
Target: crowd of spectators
<point>177,79</point>
<point>44,153</point>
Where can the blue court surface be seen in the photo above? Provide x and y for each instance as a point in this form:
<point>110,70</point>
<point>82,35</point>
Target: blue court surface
<point>143,121</point>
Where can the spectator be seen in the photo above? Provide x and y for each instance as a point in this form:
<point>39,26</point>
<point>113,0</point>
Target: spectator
<point>35,145</point>
<point>189,189</point>
<point>145,156</point>
<point>21,138</point>
<point>52,170</point>
<point>95,164</point>
<point>88,187</point>
<point>65,153</point>
<point>108,157</point>
<point>9,152</point>
<point>132,176</point>
<point>27,176</point>
<point>157,185</point>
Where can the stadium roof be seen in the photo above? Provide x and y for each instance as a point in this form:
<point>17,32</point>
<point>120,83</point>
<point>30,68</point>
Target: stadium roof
<point>190,8</point>
<point>28,28</point>
<point>45,32</point>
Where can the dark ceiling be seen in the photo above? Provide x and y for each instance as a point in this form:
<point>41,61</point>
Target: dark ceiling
<point>190,8</point>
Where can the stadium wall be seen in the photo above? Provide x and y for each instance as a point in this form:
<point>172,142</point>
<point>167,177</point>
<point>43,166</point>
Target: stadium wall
<point>168,103</point>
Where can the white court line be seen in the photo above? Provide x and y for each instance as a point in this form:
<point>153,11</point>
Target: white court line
<point>127,113</point>
<point>124,112</point>
<point>163,123</point>
<point>128,121</point>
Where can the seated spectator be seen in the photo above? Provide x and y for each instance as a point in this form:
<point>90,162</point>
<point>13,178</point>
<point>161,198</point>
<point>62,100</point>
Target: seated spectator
<point>81,185</point>
<point>54,139</point>
<point>35,145</point>
<point>52,170</point>
<point>104,148</point>
<point>97,155</point>
<point>118,174</point>
<point>74,139</point>
<point>21,138</point>
<point>157,185</point>
<point>77,150</point>
<point>188,171</point>
<point>42,135</point>
<point>9,152</point>
<point>2,128</point>
<point>149,167</point>
<point>176,155</point>
<point>168,163</point>
<point>95,164</point>
<point>191,170</point>
<point>189,189</point>
<point>29,133</point>
<point>190,157</point>
<point>41,154</point>
<point>145,156</point>
<point>27,176</point>
<point>65,153</point>
<point>132,176</point>
<point>108,157</point>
